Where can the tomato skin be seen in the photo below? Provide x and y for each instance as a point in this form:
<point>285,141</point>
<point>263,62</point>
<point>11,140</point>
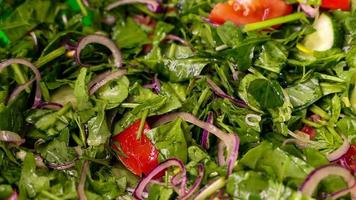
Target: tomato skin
<point>350,158</point>
<point>336,4</point>
<point>261,10</point>
<point>309,131</point>
<point>141,156</point>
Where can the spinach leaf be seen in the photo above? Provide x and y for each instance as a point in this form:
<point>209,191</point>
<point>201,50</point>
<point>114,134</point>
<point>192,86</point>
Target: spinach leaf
<point>129,35</point>
<point>276,163</point>
<point>157,192</point>
<point>267,93</point>
<point>253,185</point>
<point>273,57</point>
<point>31,184</point>
<point>169,139</point>
<point>305,93</point>
<point>114,93</point>
<point>99,132</point>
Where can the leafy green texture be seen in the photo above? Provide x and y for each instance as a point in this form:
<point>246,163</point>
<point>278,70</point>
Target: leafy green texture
<point>267,93</point>
<point>273,57</point>
<point>170,140</point>
<point>275,162</point>
<point>114,92</point>
<point>27,16</point>
<point>253,185</point>
<point>305,94</point>
<point>157,192</point>
<point>129,35</point>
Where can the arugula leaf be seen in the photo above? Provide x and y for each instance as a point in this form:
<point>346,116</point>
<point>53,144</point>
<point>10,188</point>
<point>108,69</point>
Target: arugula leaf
<point>27,16</point>
<point>81,90</point>
<point>347,125</point>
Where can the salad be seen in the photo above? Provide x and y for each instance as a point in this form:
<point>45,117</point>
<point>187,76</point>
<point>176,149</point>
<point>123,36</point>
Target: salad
<point>177,99</point>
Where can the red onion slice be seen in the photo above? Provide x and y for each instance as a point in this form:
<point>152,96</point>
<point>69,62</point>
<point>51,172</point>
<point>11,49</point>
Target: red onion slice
<point>312,181</point>
<point>155,85</point>
<point>218,91</point>
<point>50,105</point>
<point>18,91</point>
<point>62,166</point>
<point>103,79</point>
<point>11,137</point>
<point>342,150</point>
<point>309,10</point>
<point>99,39</point>
<point>205,135</point>
<point>196,184</point>
<point>176,38</point>
<point>231,141</point>
<point>14,196</point>
<point>152,5</point>
<point>37,73</point>
<point>83,177</point>
<point>160,168</point>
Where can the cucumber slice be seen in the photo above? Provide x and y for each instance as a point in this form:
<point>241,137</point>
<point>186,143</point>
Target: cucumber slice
<point>326,35</point>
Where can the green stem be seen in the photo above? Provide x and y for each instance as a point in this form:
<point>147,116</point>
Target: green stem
<point>201,99</point>
<point>82,7</point>
<point>49,195</point>
<point>19,76</point>
<point>312,124</point>
<point>142,124</point>
<point>319,111</point>
<point>129,105</point>
<point>273,22</point>
<point>77,140</point>
<point>51,56</point>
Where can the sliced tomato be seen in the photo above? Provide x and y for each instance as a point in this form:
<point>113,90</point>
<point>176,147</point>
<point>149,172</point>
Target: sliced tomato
<point>350,158</point>
<point>336,4</point>
<point>310,131</point>
<point>138,155</point>
<point>243,12</point>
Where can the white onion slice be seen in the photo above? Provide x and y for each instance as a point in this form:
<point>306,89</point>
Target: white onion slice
<point>100,39</point>
<point>11,137</point>
<point>256,120</point>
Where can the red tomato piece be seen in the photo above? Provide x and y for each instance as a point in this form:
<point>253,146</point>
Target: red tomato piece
<point>350,158</point>
<point>243,12</point>
<point>310,131</point>
<point>141,156</point>
<point>336,4</point>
